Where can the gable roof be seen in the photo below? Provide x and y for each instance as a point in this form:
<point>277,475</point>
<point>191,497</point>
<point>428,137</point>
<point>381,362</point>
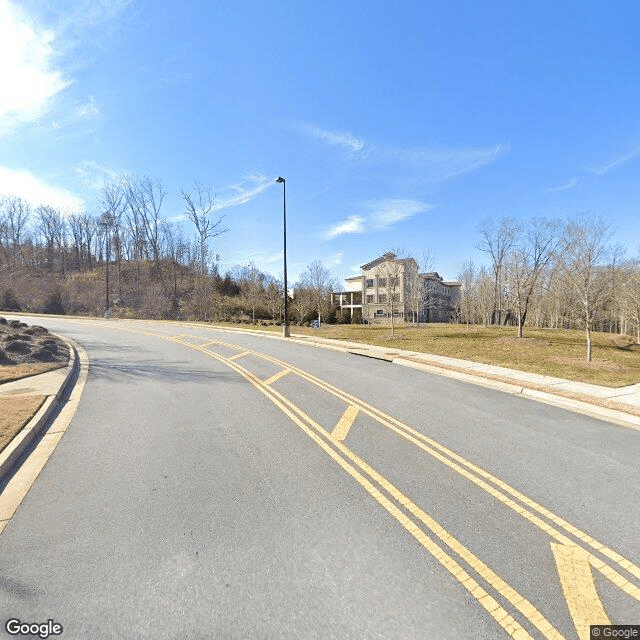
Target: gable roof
<point>374,263</point>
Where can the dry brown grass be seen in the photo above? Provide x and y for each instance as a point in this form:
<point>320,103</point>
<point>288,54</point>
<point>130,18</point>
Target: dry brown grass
<point>8,373</point>
<point>15,413</point>
<point>552,352</point>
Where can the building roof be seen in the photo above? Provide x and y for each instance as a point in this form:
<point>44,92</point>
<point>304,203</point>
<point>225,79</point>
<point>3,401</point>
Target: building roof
<point>387,256</point>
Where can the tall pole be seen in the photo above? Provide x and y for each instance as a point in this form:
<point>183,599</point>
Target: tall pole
<point>106,241</point>
<point>285,326</point>
<point>108,259</point>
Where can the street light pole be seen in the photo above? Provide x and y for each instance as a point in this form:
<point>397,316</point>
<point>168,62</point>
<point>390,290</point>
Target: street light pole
<point>285,326</point>
<point>106,241</point>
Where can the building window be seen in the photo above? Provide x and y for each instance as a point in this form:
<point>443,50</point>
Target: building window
<point>382,282</point>
<point>369,299</point>
<point>369,283</point>
<point>379,312</point>
<point>382,297</point>
<point>394,281</point>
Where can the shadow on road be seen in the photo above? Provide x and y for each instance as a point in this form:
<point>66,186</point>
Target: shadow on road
<point>112,347</point>
<point>159,371</point>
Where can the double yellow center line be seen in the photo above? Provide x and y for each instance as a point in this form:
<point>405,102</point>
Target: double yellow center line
<point>571,556</point>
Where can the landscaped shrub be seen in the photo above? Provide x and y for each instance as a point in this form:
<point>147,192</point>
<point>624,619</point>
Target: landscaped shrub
<point>9,301</point>
<point>53,304</point>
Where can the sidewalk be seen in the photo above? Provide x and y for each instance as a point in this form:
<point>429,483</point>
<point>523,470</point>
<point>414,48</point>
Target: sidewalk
<point>618,405</point>
<point>51,384</point>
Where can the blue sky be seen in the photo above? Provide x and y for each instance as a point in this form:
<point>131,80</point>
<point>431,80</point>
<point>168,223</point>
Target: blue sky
<point>396,124</point>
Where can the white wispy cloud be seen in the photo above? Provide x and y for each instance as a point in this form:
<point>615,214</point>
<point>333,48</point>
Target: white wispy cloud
<point>29,79</point>
<point>241,193</point>
<point>600,171</point>
<point>334,260</point>
<point>444,164</point>
<point>89,109</point>
<point>353,224</point>
<point>275,257</point>
<point>334,138</point>
<point>432,164</point>
<point>572,183</point>
<point>35,191</point>
<point>95,176</point>
<point>380,214</point>
<point>385,213</point>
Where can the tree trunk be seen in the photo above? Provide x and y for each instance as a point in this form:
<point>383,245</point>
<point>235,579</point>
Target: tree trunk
<point>589,346</point>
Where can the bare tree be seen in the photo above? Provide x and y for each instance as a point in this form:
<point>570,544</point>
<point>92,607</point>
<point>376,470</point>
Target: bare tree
<point>151,194</point>
<point>275,297</point>
<point>113,199</point>
<point>414,285</point>
<point>468,290</point>
<point>16,218</point>
<point>199,209</point>
<point>390,273</point>
<point>302,301</point>
<point>590,269</point>
<point>497,240</point>
<point>52,229</point>
<point>485,300</point>
<point>320,282</point>
<point>173,242</point>
<point>252,285</point>
<point>541,243</point>
<point>630,294</point>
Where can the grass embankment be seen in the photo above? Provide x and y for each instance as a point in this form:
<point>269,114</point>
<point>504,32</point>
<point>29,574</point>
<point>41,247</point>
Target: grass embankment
<point>15,413</point>
<point>552,352</point>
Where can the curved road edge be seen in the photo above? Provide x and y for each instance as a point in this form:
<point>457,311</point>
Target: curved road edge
<point>18,473</point>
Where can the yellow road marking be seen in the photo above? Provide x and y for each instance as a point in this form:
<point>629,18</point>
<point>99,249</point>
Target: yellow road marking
<point>504,619</point>
<point>578,588</point>
<point>404,430</point>
<point>510,594</point>
<point>413,436</point>
<point>238,355</point>
<point>277,376</point>
<point>344,424</point>
<point>209,343</point>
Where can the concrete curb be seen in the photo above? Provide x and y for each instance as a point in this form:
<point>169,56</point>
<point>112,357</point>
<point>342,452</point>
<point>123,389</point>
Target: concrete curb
<point>620,418</point>
<point>22,440</point>
<point>376,352</point>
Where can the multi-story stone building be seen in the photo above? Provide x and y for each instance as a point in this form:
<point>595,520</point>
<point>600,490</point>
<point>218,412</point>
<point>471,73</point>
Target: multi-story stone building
<point>390,285</point>
<point>440,299</point>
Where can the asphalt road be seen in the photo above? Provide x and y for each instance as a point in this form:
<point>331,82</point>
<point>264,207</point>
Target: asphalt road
<point>221,485</point>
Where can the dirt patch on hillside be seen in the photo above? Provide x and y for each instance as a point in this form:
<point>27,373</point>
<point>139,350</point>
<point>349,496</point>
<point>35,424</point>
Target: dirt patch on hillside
<point>22,344</point>
<point>522,342</point>
<point>599,365</point>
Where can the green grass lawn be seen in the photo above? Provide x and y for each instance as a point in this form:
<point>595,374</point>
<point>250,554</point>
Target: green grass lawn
<point>560,353</point>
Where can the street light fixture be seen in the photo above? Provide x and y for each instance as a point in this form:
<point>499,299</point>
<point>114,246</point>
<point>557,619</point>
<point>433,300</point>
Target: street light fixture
<point>285,326</point>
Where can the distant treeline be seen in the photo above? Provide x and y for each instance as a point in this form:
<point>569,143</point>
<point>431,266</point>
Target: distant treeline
<point>55,262</point>
<point>546,273</point>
